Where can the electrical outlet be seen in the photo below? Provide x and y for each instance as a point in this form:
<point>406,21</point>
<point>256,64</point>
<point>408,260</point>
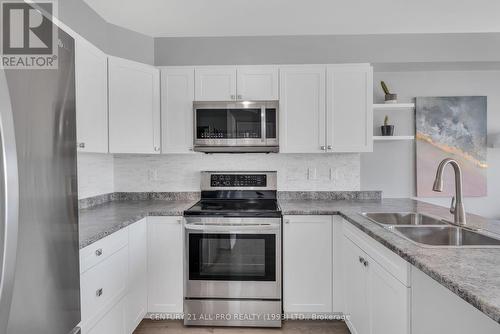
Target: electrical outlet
<point>311,174</point>
<point>153,175</point>
<point>333,174</point>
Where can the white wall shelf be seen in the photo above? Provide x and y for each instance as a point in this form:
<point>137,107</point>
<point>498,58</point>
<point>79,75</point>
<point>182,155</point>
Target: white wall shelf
<point>394,106</point>
<point>391,138</point>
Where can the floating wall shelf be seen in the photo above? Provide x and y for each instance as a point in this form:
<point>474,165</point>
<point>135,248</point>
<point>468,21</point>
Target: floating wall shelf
<point>393,106</point>
<point>389,138</point>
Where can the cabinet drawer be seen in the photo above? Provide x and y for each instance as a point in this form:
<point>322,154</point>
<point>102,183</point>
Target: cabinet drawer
<point>103,286</point>
<point>102,249</point>
<point>388,260</point>
<point>114,322</point>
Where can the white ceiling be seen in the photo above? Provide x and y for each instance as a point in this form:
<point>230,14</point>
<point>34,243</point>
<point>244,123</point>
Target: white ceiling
<point>176,18</point>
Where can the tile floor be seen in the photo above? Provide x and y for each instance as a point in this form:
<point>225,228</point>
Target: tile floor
<point>289,327</point>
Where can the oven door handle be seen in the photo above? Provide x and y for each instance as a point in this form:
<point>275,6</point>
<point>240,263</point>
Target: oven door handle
<point>232,228</point>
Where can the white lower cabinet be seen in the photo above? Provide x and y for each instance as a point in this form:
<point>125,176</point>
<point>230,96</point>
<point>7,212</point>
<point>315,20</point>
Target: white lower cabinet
<point>165,264</point>
<point>113,322</point>
<point>137,297</point>
<point>375,301</point>
<point>307,264</point>
<point>102,286</point>
<point>355,288</point>
<point>113,281</point>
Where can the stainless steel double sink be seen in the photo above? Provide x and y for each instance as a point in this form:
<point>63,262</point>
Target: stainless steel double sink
<point>425,230</point>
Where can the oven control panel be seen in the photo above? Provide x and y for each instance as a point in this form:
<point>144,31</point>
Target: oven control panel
<point>238,180</point>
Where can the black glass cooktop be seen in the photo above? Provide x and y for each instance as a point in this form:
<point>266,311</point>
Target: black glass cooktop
<point>235,208</point>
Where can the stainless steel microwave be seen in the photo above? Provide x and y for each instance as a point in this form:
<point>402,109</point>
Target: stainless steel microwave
<point>236,126</point>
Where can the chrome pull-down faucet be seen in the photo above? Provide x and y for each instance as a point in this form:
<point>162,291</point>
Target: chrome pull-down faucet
<point>457,204</point>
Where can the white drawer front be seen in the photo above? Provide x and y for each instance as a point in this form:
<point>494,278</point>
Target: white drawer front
<point>114,322</point>
<point>103,285</point>
<point>102,249</point>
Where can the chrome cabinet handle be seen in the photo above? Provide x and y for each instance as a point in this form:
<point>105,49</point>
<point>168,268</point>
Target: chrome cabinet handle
<point>157,148</point>
<point>361,260</point>
<point>287,221</point>
<point>323,148</point>
<point>233,97</point>
<point>81,145</point>
<point>99,292</point>
<point>98,252</point>
<point>329,147</point>
<point>365,263</point>
<point>240,97</point>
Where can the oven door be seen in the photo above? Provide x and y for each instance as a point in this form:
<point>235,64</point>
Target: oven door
<point>235,124</point>
<point>237,258</point>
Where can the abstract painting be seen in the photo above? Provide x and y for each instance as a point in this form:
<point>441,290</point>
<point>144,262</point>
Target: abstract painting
<point>453,127</point>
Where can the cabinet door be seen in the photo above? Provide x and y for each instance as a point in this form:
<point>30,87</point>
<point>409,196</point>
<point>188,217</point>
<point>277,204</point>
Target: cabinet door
<point>165,264</point>
<point>349,108</point>
<point>302,109</point>
<point>114,322</point>
<point>215,83</point>
<point>91,74</point>
<point>257,83</point>
<point>177,95</point>
<point>307,264</point>
<point>137,298</point>
<point>388,301</point>
<point>134,107</point>
<point>355,288</point>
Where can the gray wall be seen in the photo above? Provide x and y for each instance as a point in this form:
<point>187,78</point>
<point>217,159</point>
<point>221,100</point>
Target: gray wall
<point>110,38</point>
<point>397,48</point>
<point>391,166</point>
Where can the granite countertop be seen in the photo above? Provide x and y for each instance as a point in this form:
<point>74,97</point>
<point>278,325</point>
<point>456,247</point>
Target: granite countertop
<point>102,220</point>
<point>471,273</point>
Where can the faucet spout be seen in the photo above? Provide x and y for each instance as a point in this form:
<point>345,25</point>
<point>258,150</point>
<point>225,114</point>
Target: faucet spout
<point>457,204</point>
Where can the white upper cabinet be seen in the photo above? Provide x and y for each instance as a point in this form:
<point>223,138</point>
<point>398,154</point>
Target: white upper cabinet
<point>177,95</point>
<point>134,107</point>
<point>227,83</point>
<point>215,83</point>
<point>91,97</point>
<point>258,83</point>
<point>349,108</point>
<point>302,109</point>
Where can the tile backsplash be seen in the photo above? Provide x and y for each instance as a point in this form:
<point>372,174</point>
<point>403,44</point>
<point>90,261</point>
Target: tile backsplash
<point>95,174</point>
<point>181,172</point>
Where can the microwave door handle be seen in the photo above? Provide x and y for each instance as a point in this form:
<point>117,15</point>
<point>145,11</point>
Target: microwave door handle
<point>263,123</point>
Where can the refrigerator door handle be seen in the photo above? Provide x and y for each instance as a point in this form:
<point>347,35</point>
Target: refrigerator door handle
<point>9,179</point>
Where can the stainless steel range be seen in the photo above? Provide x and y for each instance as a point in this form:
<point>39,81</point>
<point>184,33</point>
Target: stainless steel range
<point>233,252</point>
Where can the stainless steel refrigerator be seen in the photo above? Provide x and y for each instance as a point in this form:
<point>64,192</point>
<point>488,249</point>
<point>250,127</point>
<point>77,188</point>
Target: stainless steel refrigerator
<point>40,286</point>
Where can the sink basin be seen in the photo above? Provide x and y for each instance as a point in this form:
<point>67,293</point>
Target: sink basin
<point>402,218</point>
<point>446,236</point>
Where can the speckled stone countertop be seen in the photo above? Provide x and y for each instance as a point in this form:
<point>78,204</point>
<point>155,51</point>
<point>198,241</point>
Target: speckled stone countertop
<point>471,273</point>
<point>102,220</point>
